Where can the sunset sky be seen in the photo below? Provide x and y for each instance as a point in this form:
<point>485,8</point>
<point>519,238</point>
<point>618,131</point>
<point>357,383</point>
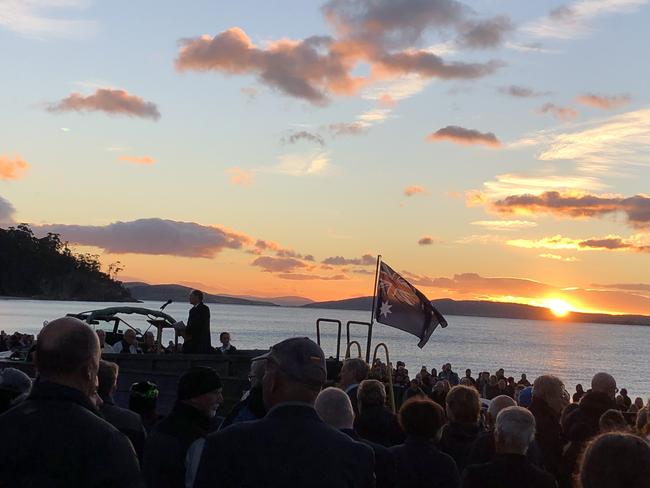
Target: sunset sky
<point>488,149</point>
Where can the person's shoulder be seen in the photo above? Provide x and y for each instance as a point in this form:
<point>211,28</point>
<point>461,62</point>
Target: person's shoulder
<point>542,478</point>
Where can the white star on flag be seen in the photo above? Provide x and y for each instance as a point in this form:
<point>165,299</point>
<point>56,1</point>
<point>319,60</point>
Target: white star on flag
<point>385,309</point>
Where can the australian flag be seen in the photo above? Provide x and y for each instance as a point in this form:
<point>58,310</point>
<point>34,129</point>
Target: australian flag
<point>399,304</point>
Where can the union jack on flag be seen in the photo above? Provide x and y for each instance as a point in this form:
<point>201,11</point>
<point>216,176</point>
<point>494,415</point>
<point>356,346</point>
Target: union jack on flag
<point>399,304</point>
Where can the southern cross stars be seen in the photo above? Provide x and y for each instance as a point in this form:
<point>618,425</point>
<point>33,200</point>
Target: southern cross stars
<point>385,309</point>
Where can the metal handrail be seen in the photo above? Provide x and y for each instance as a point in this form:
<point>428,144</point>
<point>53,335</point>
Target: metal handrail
<point>391,395</point>
<point>367,324</point>
<point>338,336</point>
<point>350,344</point>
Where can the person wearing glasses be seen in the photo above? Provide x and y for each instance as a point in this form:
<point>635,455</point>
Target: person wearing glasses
<point>251,405</point>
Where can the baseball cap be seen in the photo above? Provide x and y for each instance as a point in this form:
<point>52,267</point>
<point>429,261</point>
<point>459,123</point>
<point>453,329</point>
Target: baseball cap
<point>14,380</point>
<point>300,358</point>
<point>198,381</point>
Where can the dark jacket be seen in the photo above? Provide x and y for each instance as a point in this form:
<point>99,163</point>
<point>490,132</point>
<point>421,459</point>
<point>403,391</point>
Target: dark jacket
<point>250,408</point>
<point>352,395</point>
<point>57,439</point>
<point>384,462</point>
<point>507,471</point>
<point>291,446</point>
<point>164,455</point>
<point>197,332</point>
<point>457,440</point>
<point>420,464</point>
<point>484,450</point>
<point>548,435</point>
<point>378,424</point>
<point>581,425</point>
<point>127,422</point>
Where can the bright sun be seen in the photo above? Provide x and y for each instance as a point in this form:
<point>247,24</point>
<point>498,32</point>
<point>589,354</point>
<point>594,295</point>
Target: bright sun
<point>558,307</point>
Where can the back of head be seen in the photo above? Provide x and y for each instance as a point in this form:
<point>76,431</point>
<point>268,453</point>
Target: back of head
<point>358,368</point>
<point>612,421</point>
<point>371,393</point>
<point>497,404</point>
<point>196,382</point>
<point>463,405</point>
<point>421,417</point>
<point>551,389</point>
<point>143,397</point>
<point>604,383</point>
<point>616,460</point>
<point>295,372</point>
<point>67,352</point>
<point>514,430</point>
<point>15,386</point>
<point>107,377</point>
<point>642,426</point>
<point>334,408</point>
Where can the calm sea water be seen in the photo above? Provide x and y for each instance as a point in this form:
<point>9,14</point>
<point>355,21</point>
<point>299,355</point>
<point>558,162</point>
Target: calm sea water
<point>574,352</point>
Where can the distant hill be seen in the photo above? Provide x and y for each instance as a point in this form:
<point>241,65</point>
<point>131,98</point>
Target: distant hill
<point>180,293</point>
<point>45,268</point>
<point>289,301</point>
<point>477,308</point>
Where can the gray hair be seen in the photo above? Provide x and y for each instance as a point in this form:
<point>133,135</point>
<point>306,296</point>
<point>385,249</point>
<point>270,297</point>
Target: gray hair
<point>497,404</point>
<point>334,408</point>
<point>515,429</point>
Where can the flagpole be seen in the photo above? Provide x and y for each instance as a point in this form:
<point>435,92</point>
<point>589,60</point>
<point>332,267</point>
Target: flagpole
<point>372,311</point>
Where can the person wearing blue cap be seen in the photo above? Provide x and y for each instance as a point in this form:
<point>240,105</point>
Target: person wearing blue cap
<point>525,397</point>
<point>14,387</point>
<point>291,445</point>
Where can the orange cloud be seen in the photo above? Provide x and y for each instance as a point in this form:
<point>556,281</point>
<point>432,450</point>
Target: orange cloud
<point>638,243</point>
<point>144,160</point>
<point>602,101</point>
<point>278,264</point>
<point>240,177</point>
<point>311,277</point>
<point>411,190</point>
<point>636,208</point>
<point>425,241</point>
<point>111,101</point>
<point>560,113</point>
<point>12,168</point>
<point>460,135</point>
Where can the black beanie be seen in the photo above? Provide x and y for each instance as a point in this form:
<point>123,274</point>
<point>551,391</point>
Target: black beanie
<point>197,381</point>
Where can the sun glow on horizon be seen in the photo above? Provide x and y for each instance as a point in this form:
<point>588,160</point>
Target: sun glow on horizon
<point>558,307</point>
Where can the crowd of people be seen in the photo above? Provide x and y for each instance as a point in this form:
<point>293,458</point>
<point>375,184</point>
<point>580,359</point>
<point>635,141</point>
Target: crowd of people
<point>293,427</point>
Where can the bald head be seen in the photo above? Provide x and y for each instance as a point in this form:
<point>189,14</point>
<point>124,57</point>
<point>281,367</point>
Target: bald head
<point>604,383</point>
<point>497,404</point>
<point>67,351</point>
<point>334,408</point>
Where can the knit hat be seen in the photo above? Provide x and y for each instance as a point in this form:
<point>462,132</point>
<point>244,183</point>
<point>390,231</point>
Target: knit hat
<point>526,396</point>
<point>15,381</point>
<point>198,381</point>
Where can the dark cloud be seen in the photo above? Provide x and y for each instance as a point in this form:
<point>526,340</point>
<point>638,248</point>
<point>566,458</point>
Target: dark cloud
<point>429,65</point>
<point>460,135</point>
<point>151,236</point>
<point>521,91</point>
<point>606,243</point>
<point>487,33</point>
<point>562,13</point>
<point>391,24</point>
<point>560,113</point>
<point>278,264</point>
<point>382,34</point>
<point>602,101</point>
<point>425,241</point>
<point>304,135</point>
<point>411,190</point>
<point>306,277</point>
<point>347,129</point>
<point>636,208</point>
<point>115,102</point>
<point>7,211</point>
<point>365,260</point>
<point>303,69</point>
<point>363,272</point>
